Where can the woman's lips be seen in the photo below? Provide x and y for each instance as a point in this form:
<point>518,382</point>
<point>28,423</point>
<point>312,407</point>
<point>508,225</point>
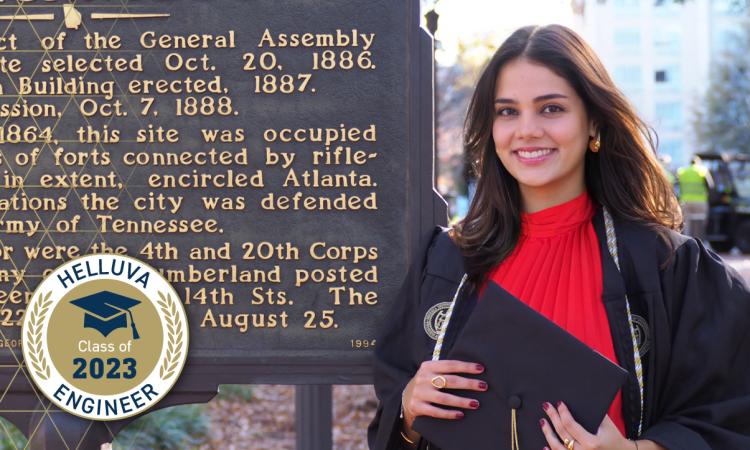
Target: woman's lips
<point>534,156</point>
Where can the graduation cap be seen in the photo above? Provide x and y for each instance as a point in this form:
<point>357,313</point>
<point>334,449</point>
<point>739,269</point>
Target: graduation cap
<point>528,360</point>
<point>107,311</point>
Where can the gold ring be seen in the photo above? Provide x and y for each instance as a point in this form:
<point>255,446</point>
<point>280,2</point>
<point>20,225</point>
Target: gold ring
<point>569,443</point>
<point>439,382</point>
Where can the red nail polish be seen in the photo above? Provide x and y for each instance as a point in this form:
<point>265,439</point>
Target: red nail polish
<point>474,404</point>
<point>459,415</point>
<point>480,367</point>
<point>558,404</point>
<point>541,423</point>
<point>546,406</point>
<point>483,385</point>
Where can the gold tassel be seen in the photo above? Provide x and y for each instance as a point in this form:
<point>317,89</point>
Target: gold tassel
<point>514,445</point>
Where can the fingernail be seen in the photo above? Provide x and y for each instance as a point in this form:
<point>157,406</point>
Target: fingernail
<point>541,423</point>
<point>459,415</point>
<point>558,404</point>
<point>474,404</point>
<point>546,406</point>
<point>480,367</point>
<point>483,385</point>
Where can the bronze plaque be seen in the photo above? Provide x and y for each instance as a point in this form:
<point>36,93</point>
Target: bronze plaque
<point>272,159</point>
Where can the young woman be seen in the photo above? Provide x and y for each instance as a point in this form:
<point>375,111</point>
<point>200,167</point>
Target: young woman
<point>574,217</point>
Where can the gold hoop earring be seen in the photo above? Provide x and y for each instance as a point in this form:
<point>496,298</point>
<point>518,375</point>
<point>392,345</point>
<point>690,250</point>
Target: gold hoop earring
<point>595,145</point>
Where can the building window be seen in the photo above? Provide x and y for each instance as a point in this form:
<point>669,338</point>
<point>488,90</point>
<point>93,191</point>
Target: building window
<point>667,77</point>
<point>669,114</point>
<point>627,41</point>
<point>666,41</point>
<point>628,77</point>
<point>666,7</point>
<point>729,6</point>
<point>631,6</point>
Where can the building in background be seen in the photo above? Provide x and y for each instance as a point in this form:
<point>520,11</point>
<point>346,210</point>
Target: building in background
<point>660,54</point>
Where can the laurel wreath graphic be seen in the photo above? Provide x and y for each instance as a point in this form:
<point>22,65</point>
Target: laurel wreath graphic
<point>174,336</point>
<point>37,357</point>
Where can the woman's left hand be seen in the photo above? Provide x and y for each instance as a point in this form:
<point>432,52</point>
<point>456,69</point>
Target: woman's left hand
<point>608,437</point>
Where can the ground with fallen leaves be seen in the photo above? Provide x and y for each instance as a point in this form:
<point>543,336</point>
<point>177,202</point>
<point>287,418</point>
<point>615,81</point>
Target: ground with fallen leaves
<point>266,421</point>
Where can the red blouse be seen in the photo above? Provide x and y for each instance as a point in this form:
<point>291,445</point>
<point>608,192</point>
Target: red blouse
<point>559,247</point>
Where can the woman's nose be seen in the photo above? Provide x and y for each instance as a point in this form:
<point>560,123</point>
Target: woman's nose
<point>528,127</point>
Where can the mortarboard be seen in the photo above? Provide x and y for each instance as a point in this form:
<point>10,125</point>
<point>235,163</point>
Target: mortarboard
<point>107,311</point>
<point>528,360</point>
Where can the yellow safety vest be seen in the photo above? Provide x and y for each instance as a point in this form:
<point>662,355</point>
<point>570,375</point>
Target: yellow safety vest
<point>693,184</point>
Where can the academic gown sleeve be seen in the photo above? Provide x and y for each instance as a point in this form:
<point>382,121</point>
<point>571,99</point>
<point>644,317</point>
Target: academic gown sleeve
<point>703,402</point>
<point>393,370</point>
<point>393,362</point>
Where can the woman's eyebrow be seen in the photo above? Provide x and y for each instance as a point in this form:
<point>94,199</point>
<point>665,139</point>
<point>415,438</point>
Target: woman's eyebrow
<point>536,99</point>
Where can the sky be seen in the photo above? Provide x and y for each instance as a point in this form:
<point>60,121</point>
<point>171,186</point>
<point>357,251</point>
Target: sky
<point>468,19</point>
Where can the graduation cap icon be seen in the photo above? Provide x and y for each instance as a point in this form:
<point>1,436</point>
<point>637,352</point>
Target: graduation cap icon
<point>107,311</point>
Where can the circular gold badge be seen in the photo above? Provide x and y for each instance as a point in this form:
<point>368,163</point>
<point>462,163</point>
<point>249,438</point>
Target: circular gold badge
<point>105,337</point>
<point>434,318</point>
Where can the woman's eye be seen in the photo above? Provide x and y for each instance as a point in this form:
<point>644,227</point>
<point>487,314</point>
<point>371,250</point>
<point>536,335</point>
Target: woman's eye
<point>552,109</point>
<point>505,111</point>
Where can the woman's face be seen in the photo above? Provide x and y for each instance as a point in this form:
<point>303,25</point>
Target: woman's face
<point>541,132</point>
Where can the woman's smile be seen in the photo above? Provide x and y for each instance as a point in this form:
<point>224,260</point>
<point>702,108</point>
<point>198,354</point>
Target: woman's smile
<point>534,156</point>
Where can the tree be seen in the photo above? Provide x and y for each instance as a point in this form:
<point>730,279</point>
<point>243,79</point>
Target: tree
<point>455,85</point>
<point>722,117</point>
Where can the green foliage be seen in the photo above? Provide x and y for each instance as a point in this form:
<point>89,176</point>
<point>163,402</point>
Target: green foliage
<point>177,427</point>
<point>242,392</point>
<point>10,437</point>
<point>722,119</point>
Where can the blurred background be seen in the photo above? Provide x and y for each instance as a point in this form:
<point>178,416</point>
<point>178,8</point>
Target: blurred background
<point>685,67</point>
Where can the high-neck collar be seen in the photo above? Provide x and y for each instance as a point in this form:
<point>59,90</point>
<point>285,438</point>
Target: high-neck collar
<point>558,219</point>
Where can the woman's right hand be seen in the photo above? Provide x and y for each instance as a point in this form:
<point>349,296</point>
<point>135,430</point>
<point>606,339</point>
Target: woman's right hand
<point>421,397</point>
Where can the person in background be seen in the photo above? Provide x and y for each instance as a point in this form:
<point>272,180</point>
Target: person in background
<point>695,183</point>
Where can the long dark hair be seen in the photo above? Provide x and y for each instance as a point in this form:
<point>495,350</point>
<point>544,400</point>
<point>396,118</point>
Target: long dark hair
<point>624,175</point>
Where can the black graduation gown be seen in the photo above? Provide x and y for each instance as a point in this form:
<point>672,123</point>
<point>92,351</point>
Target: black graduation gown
<point>693,316</point>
